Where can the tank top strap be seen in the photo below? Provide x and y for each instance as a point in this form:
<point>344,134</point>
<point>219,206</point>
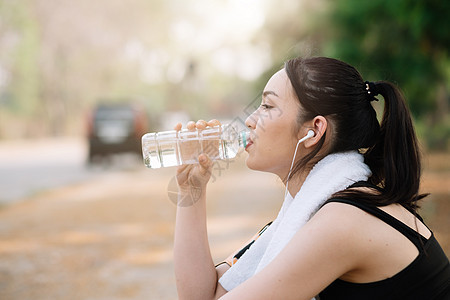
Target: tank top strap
<point>415,238</point>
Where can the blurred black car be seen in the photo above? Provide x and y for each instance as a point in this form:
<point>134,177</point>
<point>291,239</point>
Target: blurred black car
<point>115,128</point>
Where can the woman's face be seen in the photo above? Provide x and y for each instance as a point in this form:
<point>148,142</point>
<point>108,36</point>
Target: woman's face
<point>274,129</point>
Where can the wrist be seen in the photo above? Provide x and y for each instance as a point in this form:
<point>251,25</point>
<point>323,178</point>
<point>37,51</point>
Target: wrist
<point>188,196</point>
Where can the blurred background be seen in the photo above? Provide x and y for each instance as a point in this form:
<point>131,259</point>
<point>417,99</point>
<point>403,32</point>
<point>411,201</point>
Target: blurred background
<point>81,81</point>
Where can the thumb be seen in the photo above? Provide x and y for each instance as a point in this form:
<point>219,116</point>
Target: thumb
<point>205,163</point>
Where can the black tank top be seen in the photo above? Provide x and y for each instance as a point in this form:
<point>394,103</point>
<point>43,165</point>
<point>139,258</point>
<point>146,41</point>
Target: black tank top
<point>427,277</point>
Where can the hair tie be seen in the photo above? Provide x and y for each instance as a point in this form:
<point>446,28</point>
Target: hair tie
<point>372,90</point>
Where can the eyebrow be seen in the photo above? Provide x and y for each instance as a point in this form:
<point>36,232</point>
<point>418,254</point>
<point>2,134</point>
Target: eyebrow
<point>266,93</point>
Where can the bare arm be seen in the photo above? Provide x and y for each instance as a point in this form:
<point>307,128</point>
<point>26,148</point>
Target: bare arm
<point>315,257</point>
<point>196,275</point>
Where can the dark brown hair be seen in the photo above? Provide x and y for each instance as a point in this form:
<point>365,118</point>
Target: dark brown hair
<point>335,90</point>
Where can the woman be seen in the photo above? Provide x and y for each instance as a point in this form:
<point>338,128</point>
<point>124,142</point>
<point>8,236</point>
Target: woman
<point>348,227</point>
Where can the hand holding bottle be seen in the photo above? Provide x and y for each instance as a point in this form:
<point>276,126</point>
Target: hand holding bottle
<point>193,178</point>
<point>183,146</point>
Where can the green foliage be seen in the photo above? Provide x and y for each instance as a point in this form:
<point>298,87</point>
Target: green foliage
<point>22,59</point>
<point>403,41</point>
<point>435,137</point>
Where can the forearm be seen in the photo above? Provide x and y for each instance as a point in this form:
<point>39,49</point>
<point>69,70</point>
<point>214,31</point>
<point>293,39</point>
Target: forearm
<point>194,268</point>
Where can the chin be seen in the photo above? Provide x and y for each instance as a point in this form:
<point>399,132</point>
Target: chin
<point>253,165</point>
<point>250,164</point>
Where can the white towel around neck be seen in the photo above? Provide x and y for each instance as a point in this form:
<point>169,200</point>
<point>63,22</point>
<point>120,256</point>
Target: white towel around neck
<point>332,174</point>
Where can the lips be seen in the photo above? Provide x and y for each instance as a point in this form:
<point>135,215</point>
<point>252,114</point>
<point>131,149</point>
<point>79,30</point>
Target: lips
<point>249,143</point>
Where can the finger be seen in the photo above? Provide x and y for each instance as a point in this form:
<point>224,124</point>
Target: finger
<point>205,163</point>
<point>183,174</point>
<point>213,122</point>
<point>190,125</point>
<point>181,169</point>
<point>201,124</point>
<point>178,127</point>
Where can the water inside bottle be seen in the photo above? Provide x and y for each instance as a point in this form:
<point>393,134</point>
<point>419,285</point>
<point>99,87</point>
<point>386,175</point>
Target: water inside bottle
<point>211,142</point>
<point>189,146</point>
<point>231,148</point>
<point>168,153</point>
<point>169,148</point>
<point>160,149</point>
<point>150,151</point>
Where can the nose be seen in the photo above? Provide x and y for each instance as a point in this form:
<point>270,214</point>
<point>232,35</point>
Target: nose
<point>250,122</point>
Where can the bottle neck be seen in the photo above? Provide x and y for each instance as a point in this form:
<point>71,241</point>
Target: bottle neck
<point>244,135</point>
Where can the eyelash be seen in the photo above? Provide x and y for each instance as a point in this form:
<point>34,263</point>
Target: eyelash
<point>265,106</point>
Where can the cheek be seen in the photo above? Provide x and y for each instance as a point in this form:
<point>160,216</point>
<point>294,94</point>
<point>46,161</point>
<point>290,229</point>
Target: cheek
<point>272,151</point>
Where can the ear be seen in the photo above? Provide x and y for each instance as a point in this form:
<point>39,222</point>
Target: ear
<point>319,125</point>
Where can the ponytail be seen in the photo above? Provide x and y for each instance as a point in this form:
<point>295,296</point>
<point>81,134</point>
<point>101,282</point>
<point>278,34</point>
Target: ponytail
<point>336,90</point>
<point>395,157</point>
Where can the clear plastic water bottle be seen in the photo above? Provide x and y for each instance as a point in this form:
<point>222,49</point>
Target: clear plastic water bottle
<point>174,148</point>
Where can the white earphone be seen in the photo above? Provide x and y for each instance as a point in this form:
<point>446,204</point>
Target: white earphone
<point>310,134</point>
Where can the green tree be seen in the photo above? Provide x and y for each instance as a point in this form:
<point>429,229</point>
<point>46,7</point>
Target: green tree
<point>404,41</point>
<point>20,41</point>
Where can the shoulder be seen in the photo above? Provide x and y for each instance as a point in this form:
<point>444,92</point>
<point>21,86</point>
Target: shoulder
<point>340,216</point>
<point>344,228</point>
<point>321,251</point>
<point>337,207</point>
<point>328,245</point>
<point>336,228</point>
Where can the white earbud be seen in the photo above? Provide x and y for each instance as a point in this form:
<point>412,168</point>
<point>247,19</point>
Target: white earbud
<point>309,135</point>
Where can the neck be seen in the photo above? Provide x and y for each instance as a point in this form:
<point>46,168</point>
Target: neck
<point>296,182</point>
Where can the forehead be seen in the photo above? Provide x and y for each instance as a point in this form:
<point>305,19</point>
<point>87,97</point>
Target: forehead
<point>279,83</point>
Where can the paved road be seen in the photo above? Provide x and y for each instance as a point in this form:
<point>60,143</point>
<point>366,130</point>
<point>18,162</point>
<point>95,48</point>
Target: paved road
<point>31,167</point>
<point>110,235</point>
